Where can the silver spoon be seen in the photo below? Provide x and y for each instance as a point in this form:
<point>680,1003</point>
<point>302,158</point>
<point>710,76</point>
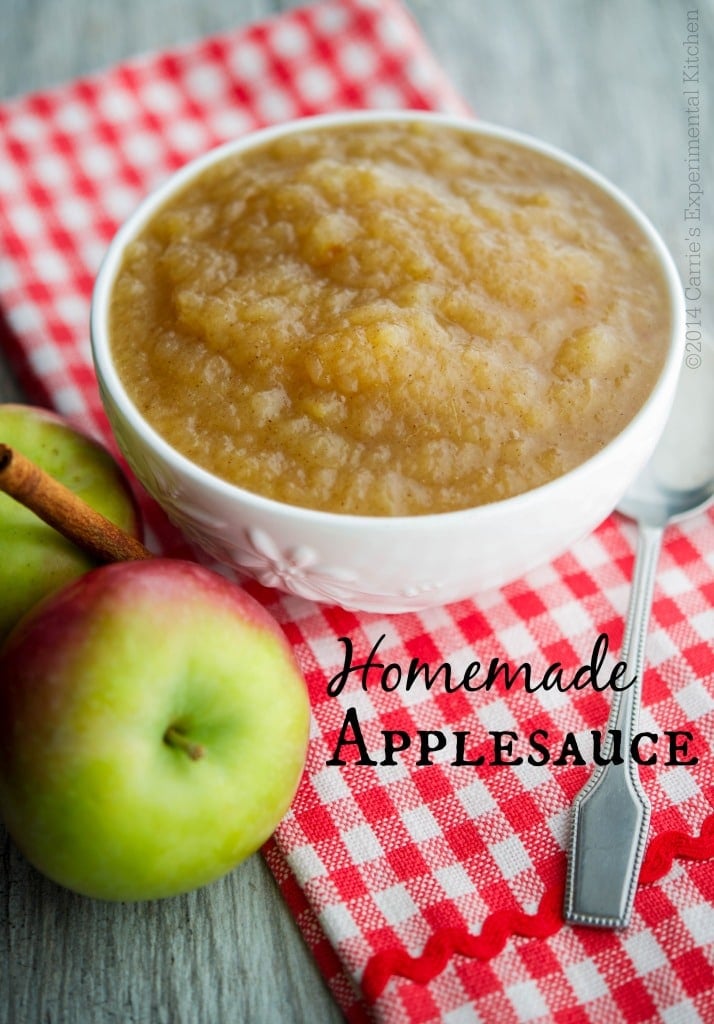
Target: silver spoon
<point>611,813</point>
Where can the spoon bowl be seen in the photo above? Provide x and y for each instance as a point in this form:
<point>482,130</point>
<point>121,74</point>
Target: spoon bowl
<point>678,480</point>
<point>652,502</point>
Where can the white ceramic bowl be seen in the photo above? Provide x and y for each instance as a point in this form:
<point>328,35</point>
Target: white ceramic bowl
<point>379,563</point>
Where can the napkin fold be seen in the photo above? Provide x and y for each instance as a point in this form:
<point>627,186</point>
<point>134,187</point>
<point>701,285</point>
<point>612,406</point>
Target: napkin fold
<point>423,857</point>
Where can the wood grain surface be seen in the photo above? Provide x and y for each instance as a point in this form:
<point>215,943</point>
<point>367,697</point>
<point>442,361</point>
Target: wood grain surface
<point>602,80</point>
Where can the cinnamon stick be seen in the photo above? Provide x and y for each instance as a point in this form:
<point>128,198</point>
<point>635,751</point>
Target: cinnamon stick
<point>62,509</point>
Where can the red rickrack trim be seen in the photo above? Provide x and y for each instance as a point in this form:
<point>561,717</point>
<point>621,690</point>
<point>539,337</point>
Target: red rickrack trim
<point>497,929</point>
<point>664,848</point>
<point>499,926</point>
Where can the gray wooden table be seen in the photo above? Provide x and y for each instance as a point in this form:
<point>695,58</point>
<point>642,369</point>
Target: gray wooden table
<point>603,80</point>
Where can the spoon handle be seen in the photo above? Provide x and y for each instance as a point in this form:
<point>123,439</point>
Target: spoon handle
<point>611,813</point>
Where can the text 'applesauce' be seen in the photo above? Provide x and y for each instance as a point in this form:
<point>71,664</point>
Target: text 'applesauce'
<point>389,319</point>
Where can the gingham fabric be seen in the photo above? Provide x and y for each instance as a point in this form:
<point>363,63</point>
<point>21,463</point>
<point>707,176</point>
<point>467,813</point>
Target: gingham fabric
<point>426,891</point>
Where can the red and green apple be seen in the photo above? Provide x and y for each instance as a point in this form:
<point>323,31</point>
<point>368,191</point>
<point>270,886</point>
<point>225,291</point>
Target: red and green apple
<point>36,559</point>
<point>153,729</point>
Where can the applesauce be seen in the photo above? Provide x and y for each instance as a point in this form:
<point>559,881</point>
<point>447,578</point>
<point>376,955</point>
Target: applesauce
<point>393,318</point>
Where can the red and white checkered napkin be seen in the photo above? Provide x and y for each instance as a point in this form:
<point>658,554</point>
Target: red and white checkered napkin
<point>427,892</point>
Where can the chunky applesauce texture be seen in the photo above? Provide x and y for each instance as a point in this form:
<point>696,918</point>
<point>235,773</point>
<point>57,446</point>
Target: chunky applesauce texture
<point>392,319</point>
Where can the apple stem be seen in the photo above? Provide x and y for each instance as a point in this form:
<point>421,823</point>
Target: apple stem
<point>175,738</point>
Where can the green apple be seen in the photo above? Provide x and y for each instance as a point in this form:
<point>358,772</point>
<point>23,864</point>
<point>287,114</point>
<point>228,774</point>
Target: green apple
<point>36,559</point>
<point>153,729</point>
